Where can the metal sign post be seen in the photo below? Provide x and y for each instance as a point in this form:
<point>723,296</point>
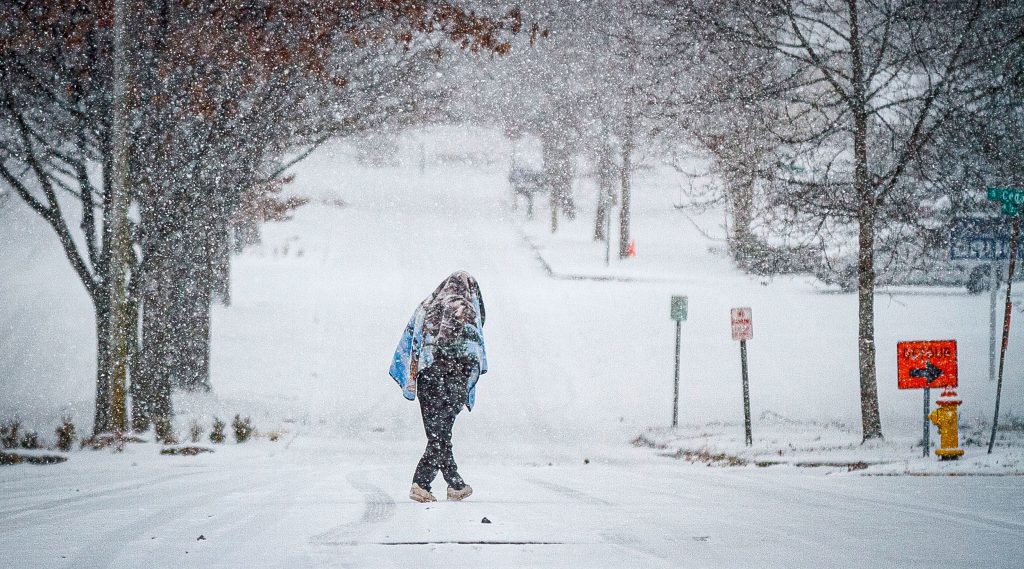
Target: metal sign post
<point>992,301</point>
<point>926,440</point>
<point>1012,199</point>
<point>746,393</point>
<point>1006,330</point>
<point>984,239</point>
<point>677,312</point>
<point>743,330</point>
<point>926,365</point>
<point>932,374</point>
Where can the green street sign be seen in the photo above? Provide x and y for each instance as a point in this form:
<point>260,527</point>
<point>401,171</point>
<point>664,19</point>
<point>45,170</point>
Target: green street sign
<point>678,311</point>
<point>1011,198</point>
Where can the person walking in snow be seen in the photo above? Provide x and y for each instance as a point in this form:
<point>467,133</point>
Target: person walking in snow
<point>440,357</point>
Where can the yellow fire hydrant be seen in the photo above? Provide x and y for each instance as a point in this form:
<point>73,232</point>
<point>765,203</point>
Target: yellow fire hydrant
<point>945,418</point>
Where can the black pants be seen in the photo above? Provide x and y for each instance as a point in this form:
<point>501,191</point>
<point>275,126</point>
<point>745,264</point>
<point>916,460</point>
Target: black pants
<point>441,389</point>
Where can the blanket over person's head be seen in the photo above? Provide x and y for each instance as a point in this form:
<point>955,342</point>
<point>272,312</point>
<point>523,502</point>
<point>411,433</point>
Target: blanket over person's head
<point>448,322</point>
<point>452,309</point>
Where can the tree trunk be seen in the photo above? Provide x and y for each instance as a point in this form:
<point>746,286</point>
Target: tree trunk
<point>552,175</point>
<point>195,360</point>
<point>741,194</point>
<point>625,174</point>
<point>102,418</point>
<point>600,218</point>
<point>553,201</point>
<point>151,387</point>
<point>135,338</point>
<point>194,261</point>
<point>871,423</point>
<point>605,189</point>
<point>220,261</point>
<point>870,420</point>
<point>558,171</point>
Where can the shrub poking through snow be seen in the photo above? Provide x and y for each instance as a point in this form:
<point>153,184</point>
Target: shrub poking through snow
<point>217,433</point>
<point>195,431</point>
<point>243,428</point>
<point>113,441</point>
<point>185,451</point>
<point>8,458</point>
<point>9,433</point>
<point>30,440</point>
<point>65,434</point>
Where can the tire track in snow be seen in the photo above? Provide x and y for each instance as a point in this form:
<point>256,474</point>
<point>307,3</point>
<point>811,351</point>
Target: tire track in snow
<point>227,505</point>
<point>576,495</point>
<point>822,496</point>
<point>636,546</point>
<point>104,549</point>
<point>378,507</point>
<point>944,513</point>
<point>72,501</point>
<point>621,540</point>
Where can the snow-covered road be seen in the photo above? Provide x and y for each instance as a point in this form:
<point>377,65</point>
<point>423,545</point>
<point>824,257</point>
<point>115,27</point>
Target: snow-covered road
<point>324,503</point>
<point>578,369</point>
<point>318,502</point>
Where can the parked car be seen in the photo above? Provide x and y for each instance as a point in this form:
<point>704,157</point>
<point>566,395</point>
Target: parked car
<point>975,277</point>
<point>962,255</point>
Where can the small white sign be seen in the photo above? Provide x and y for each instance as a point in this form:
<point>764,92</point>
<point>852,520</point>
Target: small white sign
<point>742,323</point>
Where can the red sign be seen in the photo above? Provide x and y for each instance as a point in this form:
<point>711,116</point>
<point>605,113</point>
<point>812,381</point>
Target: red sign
<point>926,364</point>
<point>742,324</point>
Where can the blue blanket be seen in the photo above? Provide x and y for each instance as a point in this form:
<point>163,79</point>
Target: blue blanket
<point>415,350</point>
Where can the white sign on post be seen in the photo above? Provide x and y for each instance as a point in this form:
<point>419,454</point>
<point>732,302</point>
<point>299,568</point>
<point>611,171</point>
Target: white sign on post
<point>742,324</point>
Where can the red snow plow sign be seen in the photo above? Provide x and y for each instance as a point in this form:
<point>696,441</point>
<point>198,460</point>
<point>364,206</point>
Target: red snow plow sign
<point>926,364</point>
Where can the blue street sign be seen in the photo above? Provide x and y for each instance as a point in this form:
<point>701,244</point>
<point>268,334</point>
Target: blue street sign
<point>980,240</point>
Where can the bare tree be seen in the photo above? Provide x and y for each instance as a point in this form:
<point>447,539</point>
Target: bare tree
<point>717,102</point>
<point>863,88</point>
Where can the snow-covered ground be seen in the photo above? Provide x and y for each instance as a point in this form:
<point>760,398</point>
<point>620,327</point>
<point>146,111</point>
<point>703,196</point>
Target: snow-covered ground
<point>340,503</point>
<point>579,368</point>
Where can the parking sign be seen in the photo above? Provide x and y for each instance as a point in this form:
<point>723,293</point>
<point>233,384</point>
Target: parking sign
<point>742,324</point>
